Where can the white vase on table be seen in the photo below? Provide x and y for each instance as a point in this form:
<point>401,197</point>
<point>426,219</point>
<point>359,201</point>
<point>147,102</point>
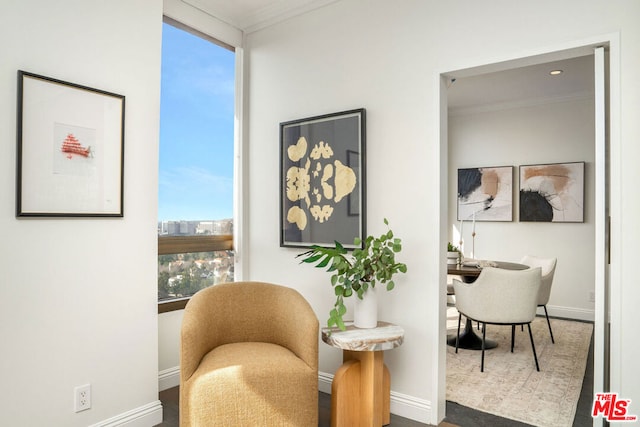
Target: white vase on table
<point>365,310</point>
<point>453,258</point>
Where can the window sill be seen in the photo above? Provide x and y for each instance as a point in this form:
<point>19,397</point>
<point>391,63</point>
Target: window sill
<point>172,305</point>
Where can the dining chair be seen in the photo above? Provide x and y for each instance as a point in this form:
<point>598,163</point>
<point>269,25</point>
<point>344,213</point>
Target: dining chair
<point>548,266</point>
<point>499,297</point>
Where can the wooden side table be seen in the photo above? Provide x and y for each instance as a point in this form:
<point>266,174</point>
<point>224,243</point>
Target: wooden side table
<point>360,391</point>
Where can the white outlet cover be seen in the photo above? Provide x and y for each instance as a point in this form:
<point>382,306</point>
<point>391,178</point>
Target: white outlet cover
<point>82,398</point>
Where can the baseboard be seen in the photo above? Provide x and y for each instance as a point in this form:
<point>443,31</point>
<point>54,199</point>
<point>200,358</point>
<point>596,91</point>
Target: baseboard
<point>569,313</point>
<point>144,416</point>
<point>324,382</point>
<point>401,404</point>
<point>169,378</point>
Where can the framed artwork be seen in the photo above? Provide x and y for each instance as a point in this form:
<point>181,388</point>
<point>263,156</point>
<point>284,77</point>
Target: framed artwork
<point>485,194</point>
<point>70,154</point>
<point>322,180</point>
<point>552,192</point>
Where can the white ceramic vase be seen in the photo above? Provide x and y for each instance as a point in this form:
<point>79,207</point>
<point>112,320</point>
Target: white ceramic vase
<point>365,310</point>
<point>453,258</point>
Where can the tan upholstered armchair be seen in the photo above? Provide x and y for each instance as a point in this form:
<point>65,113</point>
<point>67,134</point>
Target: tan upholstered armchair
<point>249,357</point>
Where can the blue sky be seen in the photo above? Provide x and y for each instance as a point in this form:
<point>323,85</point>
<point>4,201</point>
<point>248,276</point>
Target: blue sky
<point>196,128</point>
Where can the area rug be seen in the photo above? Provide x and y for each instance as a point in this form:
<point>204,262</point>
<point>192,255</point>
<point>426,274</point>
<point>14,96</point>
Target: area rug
<point>510,386</point>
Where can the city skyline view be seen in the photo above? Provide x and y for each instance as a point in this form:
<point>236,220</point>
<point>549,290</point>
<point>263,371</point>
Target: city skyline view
<point>196,128</point>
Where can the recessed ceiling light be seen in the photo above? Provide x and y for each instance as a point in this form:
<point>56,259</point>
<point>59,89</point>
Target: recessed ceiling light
<point>555,72</point>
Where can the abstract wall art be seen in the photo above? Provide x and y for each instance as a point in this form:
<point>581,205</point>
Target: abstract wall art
<point>70,149</point>
<point>552,192</point>
<point>322,180</point>
<point>485,194</point>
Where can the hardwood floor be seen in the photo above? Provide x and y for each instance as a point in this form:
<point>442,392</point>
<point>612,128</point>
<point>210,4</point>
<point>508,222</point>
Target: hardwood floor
<point>457,415</point>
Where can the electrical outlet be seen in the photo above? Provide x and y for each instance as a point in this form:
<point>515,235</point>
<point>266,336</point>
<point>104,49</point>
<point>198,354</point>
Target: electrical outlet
<point>82,397</point>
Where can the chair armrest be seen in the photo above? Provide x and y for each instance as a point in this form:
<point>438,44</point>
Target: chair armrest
<point>300,333</point>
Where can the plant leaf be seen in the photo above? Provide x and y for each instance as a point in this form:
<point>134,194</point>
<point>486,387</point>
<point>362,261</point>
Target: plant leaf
<point>313,257</point>
<point>324,262</point>
<point>342,310</point>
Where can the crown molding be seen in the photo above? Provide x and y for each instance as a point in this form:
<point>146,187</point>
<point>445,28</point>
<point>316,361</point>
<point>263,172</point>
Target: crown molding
<point>263,17</point>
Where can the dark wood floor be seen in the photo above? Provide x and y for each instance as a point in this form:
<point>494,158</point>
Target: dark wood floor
<point>457,415</point>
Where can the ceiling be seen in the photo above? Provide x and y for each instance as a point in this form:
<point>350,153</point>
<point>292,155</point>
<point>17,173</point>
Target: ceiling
<point>502,89</point>
<point>251,15</point>
<point>523,86</point>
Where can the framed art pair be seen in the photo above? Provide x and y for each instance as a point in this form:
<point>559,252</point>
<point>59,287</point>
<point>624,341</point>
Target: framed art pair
<point>547,193</point>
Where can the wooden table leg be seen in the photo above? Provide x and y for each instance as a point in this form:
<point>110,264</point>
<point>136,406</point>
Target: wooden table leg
<point>360,392</point>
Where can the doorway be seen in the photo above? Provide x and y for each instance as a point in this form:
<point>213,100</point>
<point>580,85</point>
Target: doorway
<point>596,218</point>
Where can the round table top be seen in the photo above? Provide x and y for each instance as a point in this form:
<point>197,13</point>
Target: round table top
<point>385,336</point>
<point>475,268</point>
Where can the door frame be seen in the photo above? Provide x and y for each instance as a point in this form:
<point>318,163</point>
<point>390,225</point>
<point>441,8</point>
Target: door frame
<point>607,307</point>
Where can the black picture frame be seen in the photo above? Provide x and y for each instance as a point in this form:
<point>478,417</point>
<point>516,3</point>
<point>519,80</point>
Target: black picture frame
<point>70,149</point>
<point>323,180</point>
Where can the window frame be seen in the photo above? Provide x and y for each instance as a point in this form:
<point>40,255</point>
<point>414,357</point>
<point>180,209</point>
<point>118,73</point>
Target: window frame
<point>169,245</point>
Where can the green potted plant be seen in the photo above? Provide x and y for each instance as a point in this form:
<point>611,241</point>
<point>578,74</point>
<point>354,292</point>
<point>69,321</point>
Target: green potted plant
<point>453,254</point>
<point>359,271</point>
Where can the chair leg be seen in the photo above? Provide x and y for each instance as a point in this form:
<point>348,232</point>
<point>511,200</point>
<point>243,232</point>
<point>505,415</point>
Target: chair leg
<point>513,336</point>
<point>458,334</point>
<point>533,347</point>
<point>548,323</point>
<point>484,331</point>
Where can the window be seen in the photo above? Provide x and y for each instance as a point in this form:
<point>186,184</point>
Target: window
<point>195,195</point>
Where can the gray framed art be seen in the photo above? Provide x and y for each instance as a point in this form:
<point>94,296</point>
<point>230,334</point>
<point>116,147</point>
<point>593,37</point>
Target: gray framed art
<point>485,194</point>
<point>322,180</point>
<point>552,192</point>
<point>70,149</point>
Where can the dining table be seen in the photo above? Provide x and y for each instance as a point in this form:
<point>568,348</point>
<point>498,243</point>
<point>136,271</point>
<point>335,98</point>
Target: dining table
<point>469,271</point>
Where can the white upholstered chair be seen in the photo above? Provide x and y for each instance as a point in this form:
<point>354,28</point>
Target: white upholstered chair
<point>500,297</point>
<point>548,267</point>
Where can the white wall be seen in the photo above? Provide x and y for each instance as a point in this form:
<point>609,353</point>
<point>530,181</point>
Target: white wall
<point>79,295</point>
<point>354,54</point>
<point>544,133</point>
<point>169,325</point>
